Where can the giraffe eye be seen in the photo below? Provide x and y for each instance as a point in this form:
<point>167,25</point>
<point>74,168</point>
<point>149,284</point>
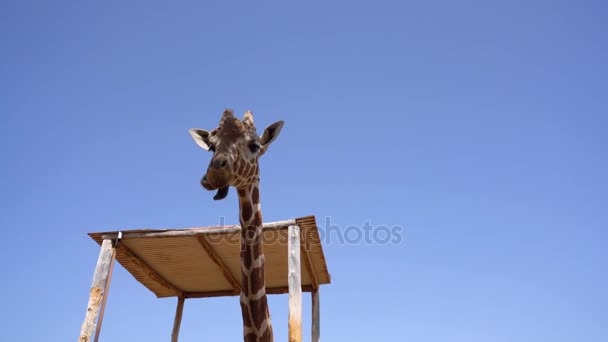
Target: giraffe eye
<point>253,147</point>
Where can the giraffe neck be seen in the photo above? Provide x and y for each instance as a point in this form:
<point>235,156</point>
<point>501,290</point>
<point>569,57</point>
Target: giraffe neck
<point>254,304</point>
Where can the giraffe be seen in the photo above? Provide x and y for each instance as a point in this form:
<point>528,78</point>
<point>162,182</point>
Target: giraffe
<point>236,150</point>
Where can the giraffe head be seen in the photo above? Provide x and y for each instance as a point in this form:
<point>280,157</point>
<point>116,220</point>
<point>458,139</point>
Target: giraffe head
<point>236,150</point>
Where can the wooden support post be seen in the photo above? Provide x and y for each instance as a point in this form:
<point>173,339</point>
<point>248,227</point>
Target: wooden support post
<point>106,291</point>
<point>316,316</point>
<point>178,319</point>
<point>295,285</point>
<point>100,278</point>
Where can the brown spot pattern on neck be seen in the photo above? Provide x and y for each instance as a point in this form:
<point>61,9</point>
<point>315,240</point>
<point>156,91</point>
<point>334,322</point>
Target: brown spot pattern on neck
<point>254,302</point>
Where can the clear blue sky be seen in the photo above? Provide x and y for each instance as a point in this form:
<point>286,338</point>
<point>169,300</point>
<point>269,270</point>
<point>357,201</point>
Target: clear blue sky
<point>477,126</point>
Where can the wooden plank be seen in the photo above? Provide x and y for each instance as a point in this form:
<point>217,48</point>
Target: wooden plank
<point>225,293</point>
<point>295,285</point>
<point>194,231</point>
<point>105,296</point>
<point>310,267</point>
<point>218,261</point>
<point>100,277</point>
<point>316,316</point>
<point>179,310</point>
<point>124,250</point>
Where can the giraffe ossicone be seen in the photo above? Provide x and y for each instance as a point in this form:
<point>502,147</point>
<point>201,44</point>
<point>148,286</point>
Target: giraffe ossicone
<point>236,148</point>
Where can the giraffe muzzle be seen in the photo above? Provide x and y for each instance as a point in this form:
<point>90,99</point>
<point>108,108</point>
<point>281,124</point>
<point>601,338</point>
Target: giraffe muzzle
<point>219,162</point>
<point>206,184</point>
<point>216,179</point>
<point>222,192</point>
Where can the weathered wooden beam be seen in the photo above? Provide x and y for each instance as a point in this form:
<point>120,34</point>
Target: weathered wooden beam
<point>102,270</point>
<point>220,264</point>
<point>124,250</point>
<point>295,285</point>
<point>310,267</point>
<point>226,293</point>
<point>195,231</point>
<point>104,299</point>
<point>316,316</point>
<point>179,310</point>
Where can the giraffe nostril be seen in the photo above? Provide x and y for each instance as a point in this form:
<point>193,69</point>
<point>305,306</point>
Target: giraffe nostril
<point>220,163</point>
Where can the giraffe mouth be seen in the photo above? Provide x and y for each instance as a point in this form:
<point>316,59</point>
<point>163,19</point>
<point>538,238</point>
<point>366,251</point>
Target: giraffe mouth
<point>206,185</point>
<point>210,183</point>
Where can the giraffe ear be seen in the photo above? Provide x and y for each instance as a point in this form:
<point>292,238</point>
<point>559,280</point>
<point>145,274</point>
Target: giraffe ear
<point>201,137</point>
<point>270,133</point>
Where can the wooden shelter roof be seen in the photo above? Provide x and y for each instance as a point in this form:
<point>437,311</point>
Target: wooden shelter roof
<point>205,262</point>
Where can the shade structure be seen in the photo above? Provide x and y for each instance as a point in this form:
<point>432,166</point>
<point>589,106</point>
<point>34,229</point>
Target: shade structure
<point>205,261</point>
